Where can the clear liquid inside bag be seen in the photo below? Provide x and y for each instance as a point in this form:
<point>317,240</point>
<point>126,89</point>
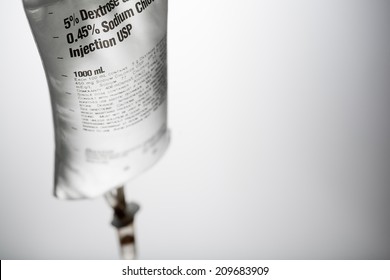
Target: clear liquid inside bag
<point>106,69</point>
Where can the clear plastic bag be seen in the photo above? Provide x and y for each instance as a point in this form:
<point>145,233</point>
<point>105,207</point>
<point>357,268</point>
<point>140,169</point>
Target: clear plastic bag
<point>105,64</point>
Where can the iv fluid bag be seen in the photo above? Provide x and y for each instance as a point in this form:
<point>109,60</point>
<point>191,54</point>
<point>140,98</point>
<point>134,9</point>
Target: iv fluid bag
<point>106,68</point>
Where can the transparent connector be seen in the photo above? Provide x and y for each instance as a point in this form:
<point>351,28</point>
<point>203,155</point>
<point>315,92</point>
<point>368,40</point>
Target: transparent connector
<point>123,221</point>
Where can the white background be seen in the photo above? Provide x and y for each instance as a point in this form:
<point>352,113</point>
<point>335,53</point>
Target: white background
<point>280,120</point>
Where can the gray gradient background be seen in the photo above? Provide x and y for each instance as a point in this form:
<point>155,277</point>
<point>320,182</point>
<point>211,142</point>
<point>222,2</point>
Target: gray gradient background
<point>280,119</point>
